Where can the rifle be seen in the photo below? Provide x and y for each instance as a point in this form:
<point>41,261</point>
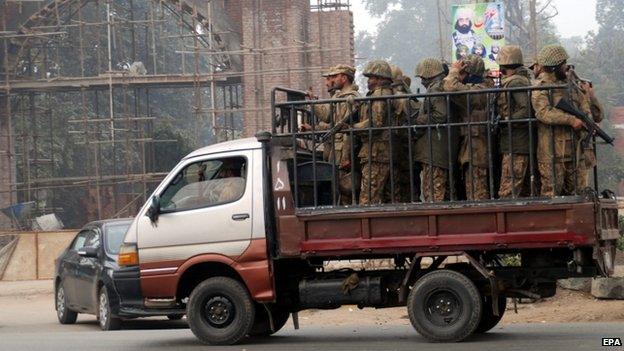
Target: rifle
<point>590,125</point>
<point>353,116</point>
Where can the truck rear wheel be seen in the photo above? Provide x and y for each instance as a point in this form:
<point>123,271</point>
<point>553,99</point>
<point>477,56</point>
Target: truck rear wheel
<point>488,319</point>
<point>220,311</point>
<point>444,306</point>
<point>262,325</point>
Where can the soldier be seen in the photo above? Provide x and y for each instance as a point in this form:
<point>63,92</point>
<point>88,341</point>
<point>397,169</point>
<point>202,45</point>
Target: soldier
<point>467,75</point>
<point>403,108</point>
<point>597,112</point>
<point>339,152</point>
<point>514,138</point>
<point>375,154</point>
<point>432,143</point>
<point>557,146</point>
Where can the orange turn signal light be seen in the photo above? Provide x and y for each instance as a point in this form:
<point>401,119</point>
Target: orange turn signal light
<point>128,255</point>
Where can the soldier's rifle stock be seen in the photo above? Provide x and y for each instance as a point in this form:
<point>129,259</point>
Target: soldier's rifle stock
<point>590,125</point>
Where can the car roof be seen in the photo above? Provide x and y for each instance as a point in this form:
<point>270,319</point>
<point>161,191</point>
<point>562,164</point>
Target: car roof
<point>232,145</point>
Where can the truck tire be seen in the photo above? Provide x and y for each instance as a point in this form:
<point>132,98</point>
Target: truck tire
<point>220,311</point>
<point>105,315</point>
<point>444,306</point>
<point>63,313</point>
<point>488,319</point>
<point>262,325</point>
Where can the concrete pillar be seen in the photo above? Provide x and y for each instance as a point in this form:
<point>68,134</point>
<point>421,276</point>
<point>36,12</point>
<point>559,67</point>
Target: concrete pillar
<point>7,163</point>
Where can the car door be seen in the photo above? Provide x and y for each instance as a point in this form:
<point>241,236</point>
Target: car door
<point>205,208</point>
<point>87,270</point>
<point>68,268</point>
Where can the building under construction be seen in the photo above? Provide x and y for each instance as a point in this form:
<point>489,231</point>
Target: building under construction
<point>100,98</point>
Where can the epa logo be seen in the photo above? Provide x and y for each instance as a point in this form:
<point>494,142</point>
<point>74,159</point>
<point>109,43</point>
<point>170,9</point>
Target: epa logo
<point>611,342</point>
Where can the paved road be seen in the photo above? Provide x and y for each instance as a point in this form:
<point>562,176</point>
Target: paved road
<point>162,335</point>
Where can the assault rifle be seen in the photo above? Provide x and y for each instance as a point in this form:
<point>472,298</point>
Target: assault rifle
<point>590,125</point>
<point>352,117</point>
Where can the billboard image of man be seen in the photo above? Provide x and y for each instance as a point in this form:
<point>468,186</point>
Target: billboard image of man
<point>464,34</point>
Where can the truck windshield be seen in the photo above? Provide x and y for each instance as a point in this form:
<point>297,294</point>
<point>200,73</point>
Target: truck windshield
<point>473,145</point>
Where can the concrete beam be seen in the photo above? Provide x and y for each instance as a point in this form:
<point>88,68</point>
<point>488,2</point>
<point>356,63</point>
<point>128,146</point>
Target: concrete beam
<point>104,82</point>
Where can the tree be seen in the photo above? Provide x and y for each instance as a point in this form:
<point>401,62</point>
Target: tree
<point>600,61</point>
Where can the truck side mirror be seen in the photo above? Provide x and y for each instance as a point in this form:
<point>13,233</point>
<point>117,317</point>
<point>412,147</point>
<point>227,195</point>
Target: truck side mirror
<point>154,210</point>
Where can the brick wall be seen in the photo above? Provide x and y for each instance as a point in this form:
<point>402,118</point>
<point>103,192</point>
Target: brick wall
<point>290,45</point>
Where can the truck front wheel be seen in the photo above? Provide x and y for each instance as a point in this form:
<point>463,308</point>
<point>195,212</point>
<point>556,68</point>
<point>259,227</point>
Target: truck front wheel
<point>444,306</point>
<point>220,311</point>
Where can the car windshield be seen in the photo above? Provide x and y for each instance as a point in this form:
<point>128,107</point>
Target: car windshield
<point>114,237</point>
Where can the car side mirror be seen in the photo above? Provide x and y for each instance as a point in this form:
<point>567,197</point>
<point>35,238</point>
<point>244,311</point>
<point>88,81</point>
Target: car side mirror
<point>88,252</point>
<point>154,210</point>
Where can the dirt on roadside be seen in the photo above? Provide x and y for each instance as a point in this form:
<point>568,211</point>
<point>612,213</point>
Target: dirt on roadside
<point>565,307</point>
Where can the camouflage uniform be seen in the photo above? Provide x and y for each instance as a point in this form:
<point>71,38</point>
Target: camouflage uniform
<point>375,154</point>
<point>400,139</point>
<point>338,152</point>
<point>514,139</point>
<point>589,154</point>
<point>431,144</point>
<point>555,135</point>
<point>473,155</point>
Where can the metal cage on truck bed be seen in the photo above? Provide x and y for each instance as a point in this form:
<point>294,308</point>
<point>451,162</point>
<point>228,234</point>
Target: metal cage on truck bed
<point>312,222</point>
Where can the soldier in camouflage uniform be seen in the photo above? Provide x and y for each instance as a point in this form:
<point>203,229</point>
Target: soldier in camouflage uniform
<point>514,138</point>
<point>432,143</point>
<point>338,151</point>
<point>597,112</point>
<point>554,132</point>
<point>403,108</point>
<point>468,75</point>
<point>375,152</point>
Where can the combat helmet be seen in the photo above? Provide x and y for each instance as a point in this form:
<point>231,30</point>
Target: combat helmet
<point>378,68</point>
<point>510,55</point>
<point>475,65</point>
<point>429,68</point>
<point>552,55</point>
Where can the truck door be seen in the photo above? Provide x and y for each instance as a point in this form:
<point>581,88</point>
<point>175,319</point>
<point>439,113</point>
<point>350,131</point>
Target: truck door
<point>205,208</point>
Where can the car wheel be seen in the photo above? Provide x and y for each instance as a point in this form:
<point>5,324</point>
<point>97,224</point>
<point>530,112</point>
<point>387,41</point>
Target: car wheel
<point>63,313</point>
<point>220,311</point>
<point>444,306</point>
<point>105,315</point>
<point>262,324</point>
<point>488,319</point>
<point>174,317</point>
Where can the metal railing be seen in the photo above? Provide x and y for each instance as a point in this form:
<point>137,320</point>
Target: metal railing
<point>316,178</point>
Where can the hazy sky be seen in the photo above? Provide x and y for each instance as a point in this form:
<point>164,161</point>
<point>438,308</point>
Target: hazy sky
<point>576,17</point>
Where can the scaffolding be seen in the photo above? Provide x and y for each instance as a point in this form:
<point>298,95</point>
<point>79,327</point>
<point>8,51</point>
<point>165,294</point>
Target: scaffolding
<point>83,88</point>
<point>100,98</point>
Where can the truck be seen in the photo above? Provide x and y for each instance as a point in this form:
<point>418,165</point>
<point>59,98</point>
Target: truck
<point>244,234</point>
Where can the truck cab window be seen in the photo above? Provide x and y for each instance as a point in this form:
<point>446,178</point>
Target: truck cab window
<point>206,183</point>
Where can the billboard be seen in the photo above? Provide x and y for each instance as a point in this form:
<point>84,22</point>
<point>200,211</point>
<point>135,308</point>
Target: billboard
<point>478,29</point>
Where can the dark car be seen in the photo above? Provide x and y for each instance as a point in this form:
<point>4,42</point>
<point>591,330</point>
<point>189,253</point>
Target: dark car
<point>83,276</point>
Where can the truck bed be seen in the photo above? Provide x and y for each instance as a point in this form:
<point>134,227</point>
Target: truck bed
<point>339,231</point>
